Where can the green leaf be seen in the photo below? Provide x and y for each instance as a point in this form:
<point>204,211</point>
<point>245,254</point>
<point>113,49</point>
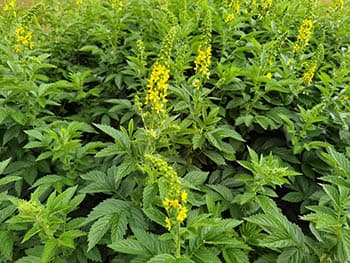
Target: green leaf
<point>149,194</point>
<point>6,211</point>
<point>128,166</point>
<point>48,180</point>
<point>30,233</point>
<point>119,137</point>
<point>9,179</point>
<point>215,157</point>
<point>4,164</point>
<point>44,155</point>
<point>17,116</point>
<point>198,141</point>
<point>29,259</point>
<point>155,215</point>
<point>107,207</point>
<point>196,178</point>
<point>35,134</point>
<point>49,250</point>
<point>206,255</point>
<point>99,182</point>
<point>294,197</point>
<point>129,246</point>
<point>110,150</point>
<point>162,258</point>
<point>98,230</point>
<point>119,225</point>
<point>3,114</point>
<point>228,132</point>
<point>94,255</point>
<point>232,255</point>
<point>6,248</point>
<point>67,238</point>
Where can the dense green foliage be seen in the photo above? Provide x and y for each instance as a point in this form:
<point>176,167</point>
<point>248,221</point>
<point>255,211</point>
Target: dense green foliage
<point>175,131</point>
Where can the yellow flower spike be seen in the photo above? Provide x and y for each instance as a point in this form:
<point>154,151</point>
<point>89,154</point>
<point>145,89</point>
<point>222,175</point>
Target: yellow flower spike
<point>269,75</point>
<point>166,203</point>
<point>168,223</point>
<point>181,216</point>
<point>24,38</point>
<point>203,61</point>
<point>308,75</point>
<point>304,34</point>
<point>184,196</point>
<point>174,203</point>
<point>157,88</point>
<point>229,18</point>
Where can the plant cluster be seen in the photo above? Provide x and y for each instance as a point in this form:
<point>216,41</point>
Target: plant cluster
<point>175,131</point>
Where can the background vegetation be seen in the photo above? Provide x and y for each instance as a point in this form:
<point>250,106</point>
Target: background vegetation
<point>175,131</point>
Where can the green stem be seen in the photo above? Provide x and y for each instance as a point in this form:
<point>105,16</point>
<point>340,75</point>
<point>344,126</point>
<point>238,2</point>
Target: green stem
<point>177,241</point>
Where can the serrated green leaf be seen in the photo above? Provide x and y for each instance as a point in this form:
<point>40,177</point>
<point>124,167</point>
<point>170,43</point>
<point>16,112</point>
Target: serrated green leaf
<point>109,151</point>
<point>67,238</point>
<point>129,246</point>
<point>149,194</point>
<point>206,255</point>
<point>196,178</point>
<point>48,180</point>
<point>107,207</point>
<point>198,141</point>
<point>119,225</point>
<point>119,137</point>
<point>98,230</point>
<point>155,215</point>
<point>94,255</point>
<point>232,255</point>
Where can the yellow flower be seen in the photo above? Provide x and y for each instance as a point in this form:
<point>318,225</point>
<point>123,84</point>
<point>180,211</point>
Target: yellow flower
<point>79,2</point>
<point>17,48</point>
<point>304,35</point>
<point>166,203</point>
<point>24,38</point>
<point>184,196</point>
<point>266,3</point>
<point>174,203</point>
<point>203,60</point>
<point>235,4</point>
<point>269,75</point>
<point>181,216</point>
<point>339,3</point>
<point>229,18</point>
<point>157,87</point>
<point>308,76</point>
<point>9,5</point>
<point>168,223</point>
<point>117,4</point>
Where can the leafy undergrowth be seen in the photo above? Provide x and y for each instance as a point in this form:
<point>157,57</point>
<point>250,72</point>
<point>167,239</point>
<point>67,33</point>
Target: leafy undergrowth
<point>175,131</point>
